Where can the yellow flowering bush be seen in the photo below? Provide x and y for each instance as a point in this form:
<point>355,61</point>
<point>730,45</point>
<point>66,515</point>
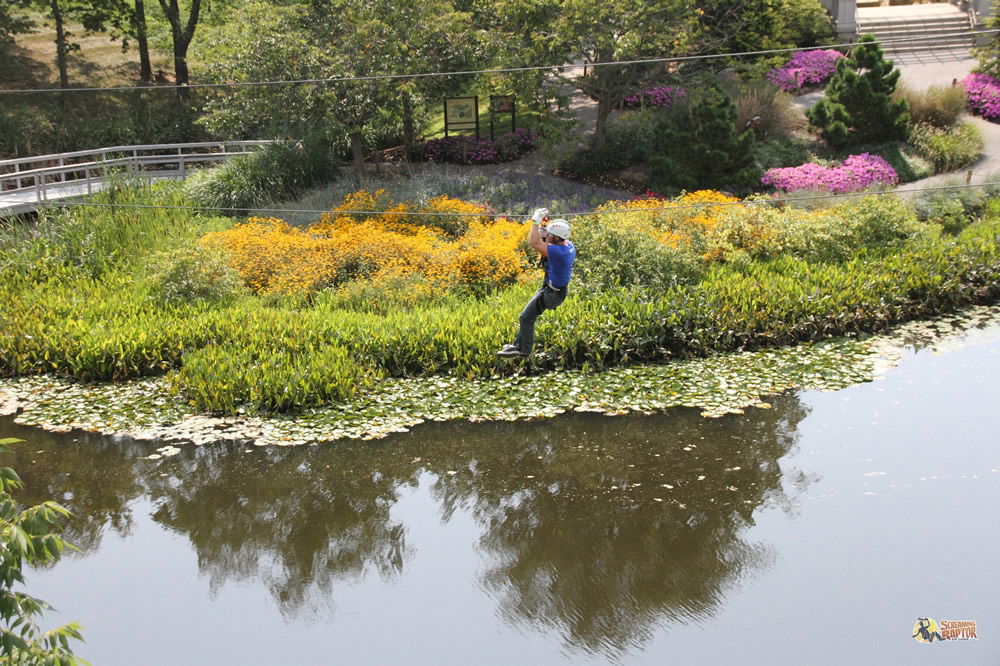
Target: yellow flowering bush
<point>455,244</point>
<point>681,223</point>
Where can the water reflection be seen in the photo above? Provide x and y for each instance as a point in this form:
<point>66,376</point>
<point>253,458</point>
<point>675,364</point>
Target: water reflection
<point>598,528</point>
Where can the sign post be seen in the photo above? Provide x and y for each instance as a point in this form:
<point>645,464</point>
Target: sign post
<point>461,113</point>
<point>502,104</point>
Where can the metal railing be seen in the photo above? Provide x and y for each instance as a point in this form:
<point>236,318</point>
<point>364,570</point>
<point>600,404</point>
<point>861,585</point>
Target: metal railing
<point>83,172</point>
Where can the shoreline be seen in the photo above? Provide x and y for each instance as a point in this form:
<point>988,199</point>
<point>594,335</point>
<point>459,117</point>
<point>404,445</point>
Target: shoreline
<point>717,385</point>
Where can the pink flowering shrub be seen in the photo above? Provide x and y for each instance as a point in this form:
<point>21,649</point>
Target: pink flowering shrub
<point>982,95</point>
<point>662,96</point>
<point>857,172</point>
<point>806,68</point>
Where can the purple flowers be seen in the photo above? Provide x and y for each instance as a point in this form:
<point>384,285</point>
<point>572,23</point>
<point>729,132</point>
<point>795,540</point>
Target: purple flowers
<point>982,95</point>
<point>855,173</point>
<point>470,150</point>
<point>662,96</point>
<point>806,68</point>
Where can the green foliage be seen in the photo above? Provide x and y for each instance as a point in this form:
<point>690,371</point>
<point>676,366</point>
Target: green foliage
<point>279,171</point>
<point>858,106</point>
<point>806,23</point>
<point>28,535</point>
<point>875,223</point>
<point>939,106</point>
<point>948,149</point>
<point>193,273</point>
<point>781,151</point>
<point>955,205</point>
<point>704,149</point>
<point>230,380</point>
<point>611,256</point>
<point>125,224</point>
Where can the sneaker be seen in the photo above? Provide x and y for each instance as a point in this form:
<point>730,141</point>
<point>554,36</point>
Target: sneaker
<point>510,350</point>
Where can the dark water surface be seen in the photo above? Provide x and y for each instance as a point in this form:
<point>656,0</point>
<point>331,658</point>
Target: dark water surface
<point>815,531</point>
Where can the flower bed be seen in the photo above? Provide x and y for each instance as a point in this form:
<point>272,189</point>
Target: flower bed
<point>805,69</point>
<point>470,150</point>
<point>661,96</point>
<point>856,173</point>
<point>982,95</point>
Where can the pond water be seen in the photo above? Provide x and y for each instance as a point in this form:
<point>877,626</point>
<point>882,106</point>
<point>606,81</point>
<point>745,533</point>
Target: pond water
<point>814,531</point>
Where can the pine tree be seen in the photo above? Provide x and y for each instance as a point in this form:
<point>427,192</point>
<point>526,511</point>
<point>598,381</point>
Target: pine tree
<point>858,107</point>
<point>705,149</point>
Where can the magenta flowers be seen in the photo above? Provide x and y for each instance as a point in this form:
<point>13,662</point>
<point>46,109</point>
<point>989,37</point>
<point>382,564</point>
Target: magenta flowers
<point>662,96</point>
<point>856,173</point>
<point>470,150</point>
<point>806,68</point>
<point>982,95</point>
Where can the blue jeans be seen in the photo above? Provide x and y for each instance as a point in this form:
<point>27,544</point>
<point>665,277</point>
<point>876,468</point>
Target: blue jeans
<point>544,299</point>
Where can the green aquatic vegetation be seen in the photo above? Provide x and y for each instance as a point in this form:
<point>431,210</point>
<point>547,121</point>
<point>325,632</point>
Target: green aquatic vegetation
<point>730,383</point>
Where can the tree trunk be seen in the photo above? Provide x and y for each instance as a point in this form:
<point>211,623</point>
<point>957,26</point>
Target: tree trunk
<point>604,105</point>
<point>409,134</point>
<point>139,25</point>
<point>358,153</point>
<point>182,35</point>
<point>57,16</point>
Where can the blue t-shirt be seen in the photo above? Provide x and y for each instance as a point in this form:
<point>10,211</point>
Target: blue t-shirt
<point>560,264</point>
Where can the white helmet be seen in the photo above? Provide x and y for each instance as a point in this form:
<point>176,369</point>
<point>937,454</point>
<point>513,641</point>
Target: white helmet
<point>558,228</point>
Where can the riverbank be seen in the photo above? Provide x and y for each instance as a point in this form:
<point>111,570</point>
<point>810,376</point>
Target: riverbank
<point>724,384</point>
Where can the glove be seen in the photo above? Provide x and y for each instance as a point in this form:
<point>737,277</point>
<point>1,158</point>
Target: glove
<point>540,214</point>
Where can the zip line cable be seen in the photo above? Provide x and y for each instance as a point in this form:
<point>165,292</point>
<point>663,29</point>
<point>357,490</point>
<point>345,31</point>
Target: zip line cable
<point>513,216</point>
<point>505,70</point>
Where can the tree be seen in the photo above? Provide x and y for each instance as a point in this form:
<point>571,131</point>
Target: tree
<point>126,21</point>
<point>702,147</point>
<point>181,32</point>
<point>858,107</point>
<point>411,37</point>
<point>621,31</point>
<point>27,535</point>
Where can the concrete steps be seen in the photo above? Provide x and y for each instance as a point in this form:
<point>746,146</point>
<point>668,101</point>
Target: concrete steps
<point>909,32</point>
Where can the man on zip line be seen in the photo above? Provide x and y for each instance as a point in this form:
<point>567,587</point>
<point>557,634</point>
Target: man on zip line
<point>558,254</point>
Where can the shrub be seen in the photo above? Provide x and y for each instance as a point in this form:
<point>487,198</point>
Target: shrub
<point>277,172</point>
<point>948,149</point>
<point>193,273</point>
<point>230,379</point>
<point>934,205</point>
<point>806,69</point>
<point>455,245</point>
<point>951,215</point>
<point>982,93</point>
<point>939,106</point>
<point>806,23</point>
<point>858,106</point>
<point>465,149</point>
<point>780,151</point>
<point>613,256</point>
<point>661,96</point>
<point>857,172</point>
<point>701,147</point>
